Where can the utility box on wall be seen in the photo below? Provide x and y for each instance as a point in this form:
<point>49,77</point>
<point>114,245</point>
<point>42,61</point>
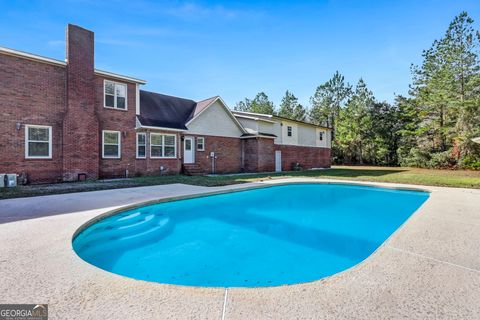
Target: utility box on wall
<point>8,180</point>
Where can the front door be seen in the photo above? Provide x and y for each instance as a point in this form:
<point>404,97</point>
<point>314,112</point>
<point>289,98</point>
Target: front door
<point>188,150</point>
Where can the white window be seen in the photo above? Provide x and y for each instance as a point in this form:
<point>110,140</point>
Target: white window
<point>115,95</point>
<point>163,145</point>
<point>141,145</point>
<point>38,142</point>
<point>200,144</point>
<point>289,131</point>
<point>320,135</point>
<point>111,144</point>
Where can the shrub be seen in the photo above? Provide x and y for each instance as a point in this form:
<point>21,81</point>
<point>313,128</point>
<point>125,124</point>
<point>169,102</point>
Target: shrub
<point>469,162</point>
<point>441,160</point>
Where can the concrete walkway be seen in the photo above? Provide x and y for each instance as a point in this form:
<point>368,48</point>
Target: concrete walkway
<point>428,269</point>
<point>36,207</point>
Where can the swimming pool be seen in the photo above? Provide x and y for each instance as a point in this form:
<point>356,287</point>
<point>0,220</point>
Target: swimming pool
<point>269,236</point>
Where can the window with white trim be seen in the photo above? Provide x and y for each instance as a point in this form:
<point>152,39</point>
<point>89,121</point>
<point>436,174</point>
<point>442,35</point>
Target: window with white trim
<point>200,144</point>
<point>320,135</point>
<point>111,144</point>
<point>289,131</point>
<point>163,145</point>
<point>115,95</point>
<point>38,142</point>
<point>141,145</point>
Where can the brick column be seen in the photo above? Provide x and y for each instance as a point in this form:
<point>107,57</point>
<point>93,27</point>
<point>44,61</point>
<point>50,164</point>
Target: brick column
<point>80,125</point>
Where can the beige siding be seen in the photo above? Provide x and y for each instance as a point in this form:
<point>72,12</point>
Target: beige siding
<point>249,123</point>
<point>215,121</point>
<point>292,140</point>
<point>307,136</point>
<point>327,138</point>
<point>265,127</point>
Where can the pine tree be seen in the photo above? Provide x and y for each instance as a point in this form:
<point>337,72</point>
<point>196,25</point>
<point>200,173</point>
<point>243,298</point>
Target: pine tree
<point>446,90</point>
<point>290,108</point>
<point>329,97</point>
<point>260,104</point>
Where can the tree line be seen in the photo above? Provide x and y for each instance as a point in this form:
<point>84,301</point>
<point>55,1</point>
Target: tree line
<point>430,127</point>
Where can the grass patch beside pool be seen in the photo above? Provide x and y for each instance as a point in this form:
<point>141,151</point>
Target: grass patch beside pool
<point>444,178</point>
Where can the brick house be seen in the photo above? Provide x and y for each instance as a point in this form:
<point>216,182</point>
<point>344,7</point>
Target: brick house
<point>66,120</point>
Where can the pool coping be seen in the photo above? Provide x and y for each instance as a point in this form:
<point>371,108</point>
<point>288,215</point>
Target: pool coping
<point>409,253</point>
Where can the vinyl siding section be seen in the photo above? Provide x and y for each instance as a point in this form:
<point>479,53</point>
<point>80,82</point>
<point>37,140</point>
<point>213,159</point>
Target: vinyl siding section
<point>215,121</point>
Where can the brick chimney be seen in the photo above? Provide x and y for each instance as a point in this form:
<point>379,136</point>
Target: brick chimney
<point>80,125</point>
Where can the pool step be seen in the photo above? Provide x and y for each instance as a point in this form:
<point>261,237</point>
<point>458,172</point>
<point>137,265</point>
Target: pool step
<point>115,240</point>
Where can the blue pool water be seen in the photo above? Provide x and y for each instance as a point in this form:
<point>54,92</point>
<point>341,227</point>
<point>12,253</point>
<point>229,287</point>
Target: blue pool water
<point>261,237</point>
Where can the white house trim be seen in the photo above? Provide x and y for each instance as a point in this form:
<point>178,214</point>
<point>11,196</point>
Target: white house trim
<point>159,128</point>
<point>115,95</point>
<point>254,114</point>
<point>119,153</point>
<point>253,118</point>
<point>35,57</point>
<point>137,99</point>
<point>27,126</point>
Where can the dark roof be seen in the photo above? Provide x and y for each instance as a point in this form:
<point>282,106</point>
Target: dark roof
<point>259,134</point>
<point>159,110</point>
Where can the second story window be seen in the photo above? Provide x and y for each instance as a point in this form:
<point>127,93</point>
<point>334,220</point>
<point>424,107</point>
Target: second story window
<point>289,131</point>
<point>115,95</point>
<point>320,135</point>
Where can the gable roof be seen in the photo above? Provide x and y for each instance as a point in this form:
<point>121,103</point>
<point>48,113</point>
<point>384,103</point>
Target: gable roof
<point>204,104</point>
<point>159,110</point>
<point>168,112</point>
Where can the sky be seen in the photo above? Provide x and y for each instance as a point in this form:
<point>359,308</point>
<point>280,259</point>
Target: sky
<point>199,49</point>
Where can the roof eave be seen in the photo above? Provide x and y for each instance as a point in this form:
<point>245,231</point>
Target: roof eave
<point>34,57</point>
<point>160,128</point>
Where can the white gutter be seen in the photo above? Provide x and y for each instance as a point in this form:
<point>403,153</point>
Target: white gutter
<point>252,118</point>
<point>160,128</point>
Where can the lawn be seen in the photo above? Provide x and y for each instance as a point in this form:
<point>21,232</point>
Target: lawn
<point>447,178</point>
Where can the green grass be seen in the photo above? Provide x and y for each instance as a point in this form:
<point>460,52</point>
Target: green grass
<point>446,178</point>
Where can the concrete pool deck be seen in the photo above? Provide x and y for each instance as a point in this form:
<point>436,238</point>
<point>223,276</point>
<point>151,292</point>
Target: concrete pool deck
<point>428,269</point>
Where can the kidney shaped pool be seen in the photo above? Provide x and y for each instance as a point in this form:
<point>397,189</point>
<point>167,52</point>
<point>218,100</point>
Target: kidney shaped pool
<point>260,237</point>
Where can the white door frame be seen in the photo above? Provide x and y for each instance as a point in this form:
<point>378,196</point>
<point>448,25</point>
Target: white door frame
<point>278,160</point>
<point>189,155</point>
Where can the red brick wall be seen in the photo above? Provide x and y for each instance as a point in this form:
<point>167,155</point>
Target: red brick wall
<point>308,157</point>
<point>228,152</point>
<point>259,155</point>
<point>266,155</point>
<point>31,92</point>
<point>117,120</point>
<point>114,168</point>
<point>80,125</point>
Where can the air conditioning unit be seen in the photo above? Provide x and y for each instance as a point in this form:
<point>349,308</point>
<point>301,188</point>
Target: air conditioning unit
<point>10,180</point>
<point>2,180</point>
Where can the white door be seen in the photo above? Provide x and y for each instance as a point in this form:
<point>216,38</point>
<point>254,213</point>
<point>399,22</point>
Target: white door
<point>278,161</point>
<point>188,150</point>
